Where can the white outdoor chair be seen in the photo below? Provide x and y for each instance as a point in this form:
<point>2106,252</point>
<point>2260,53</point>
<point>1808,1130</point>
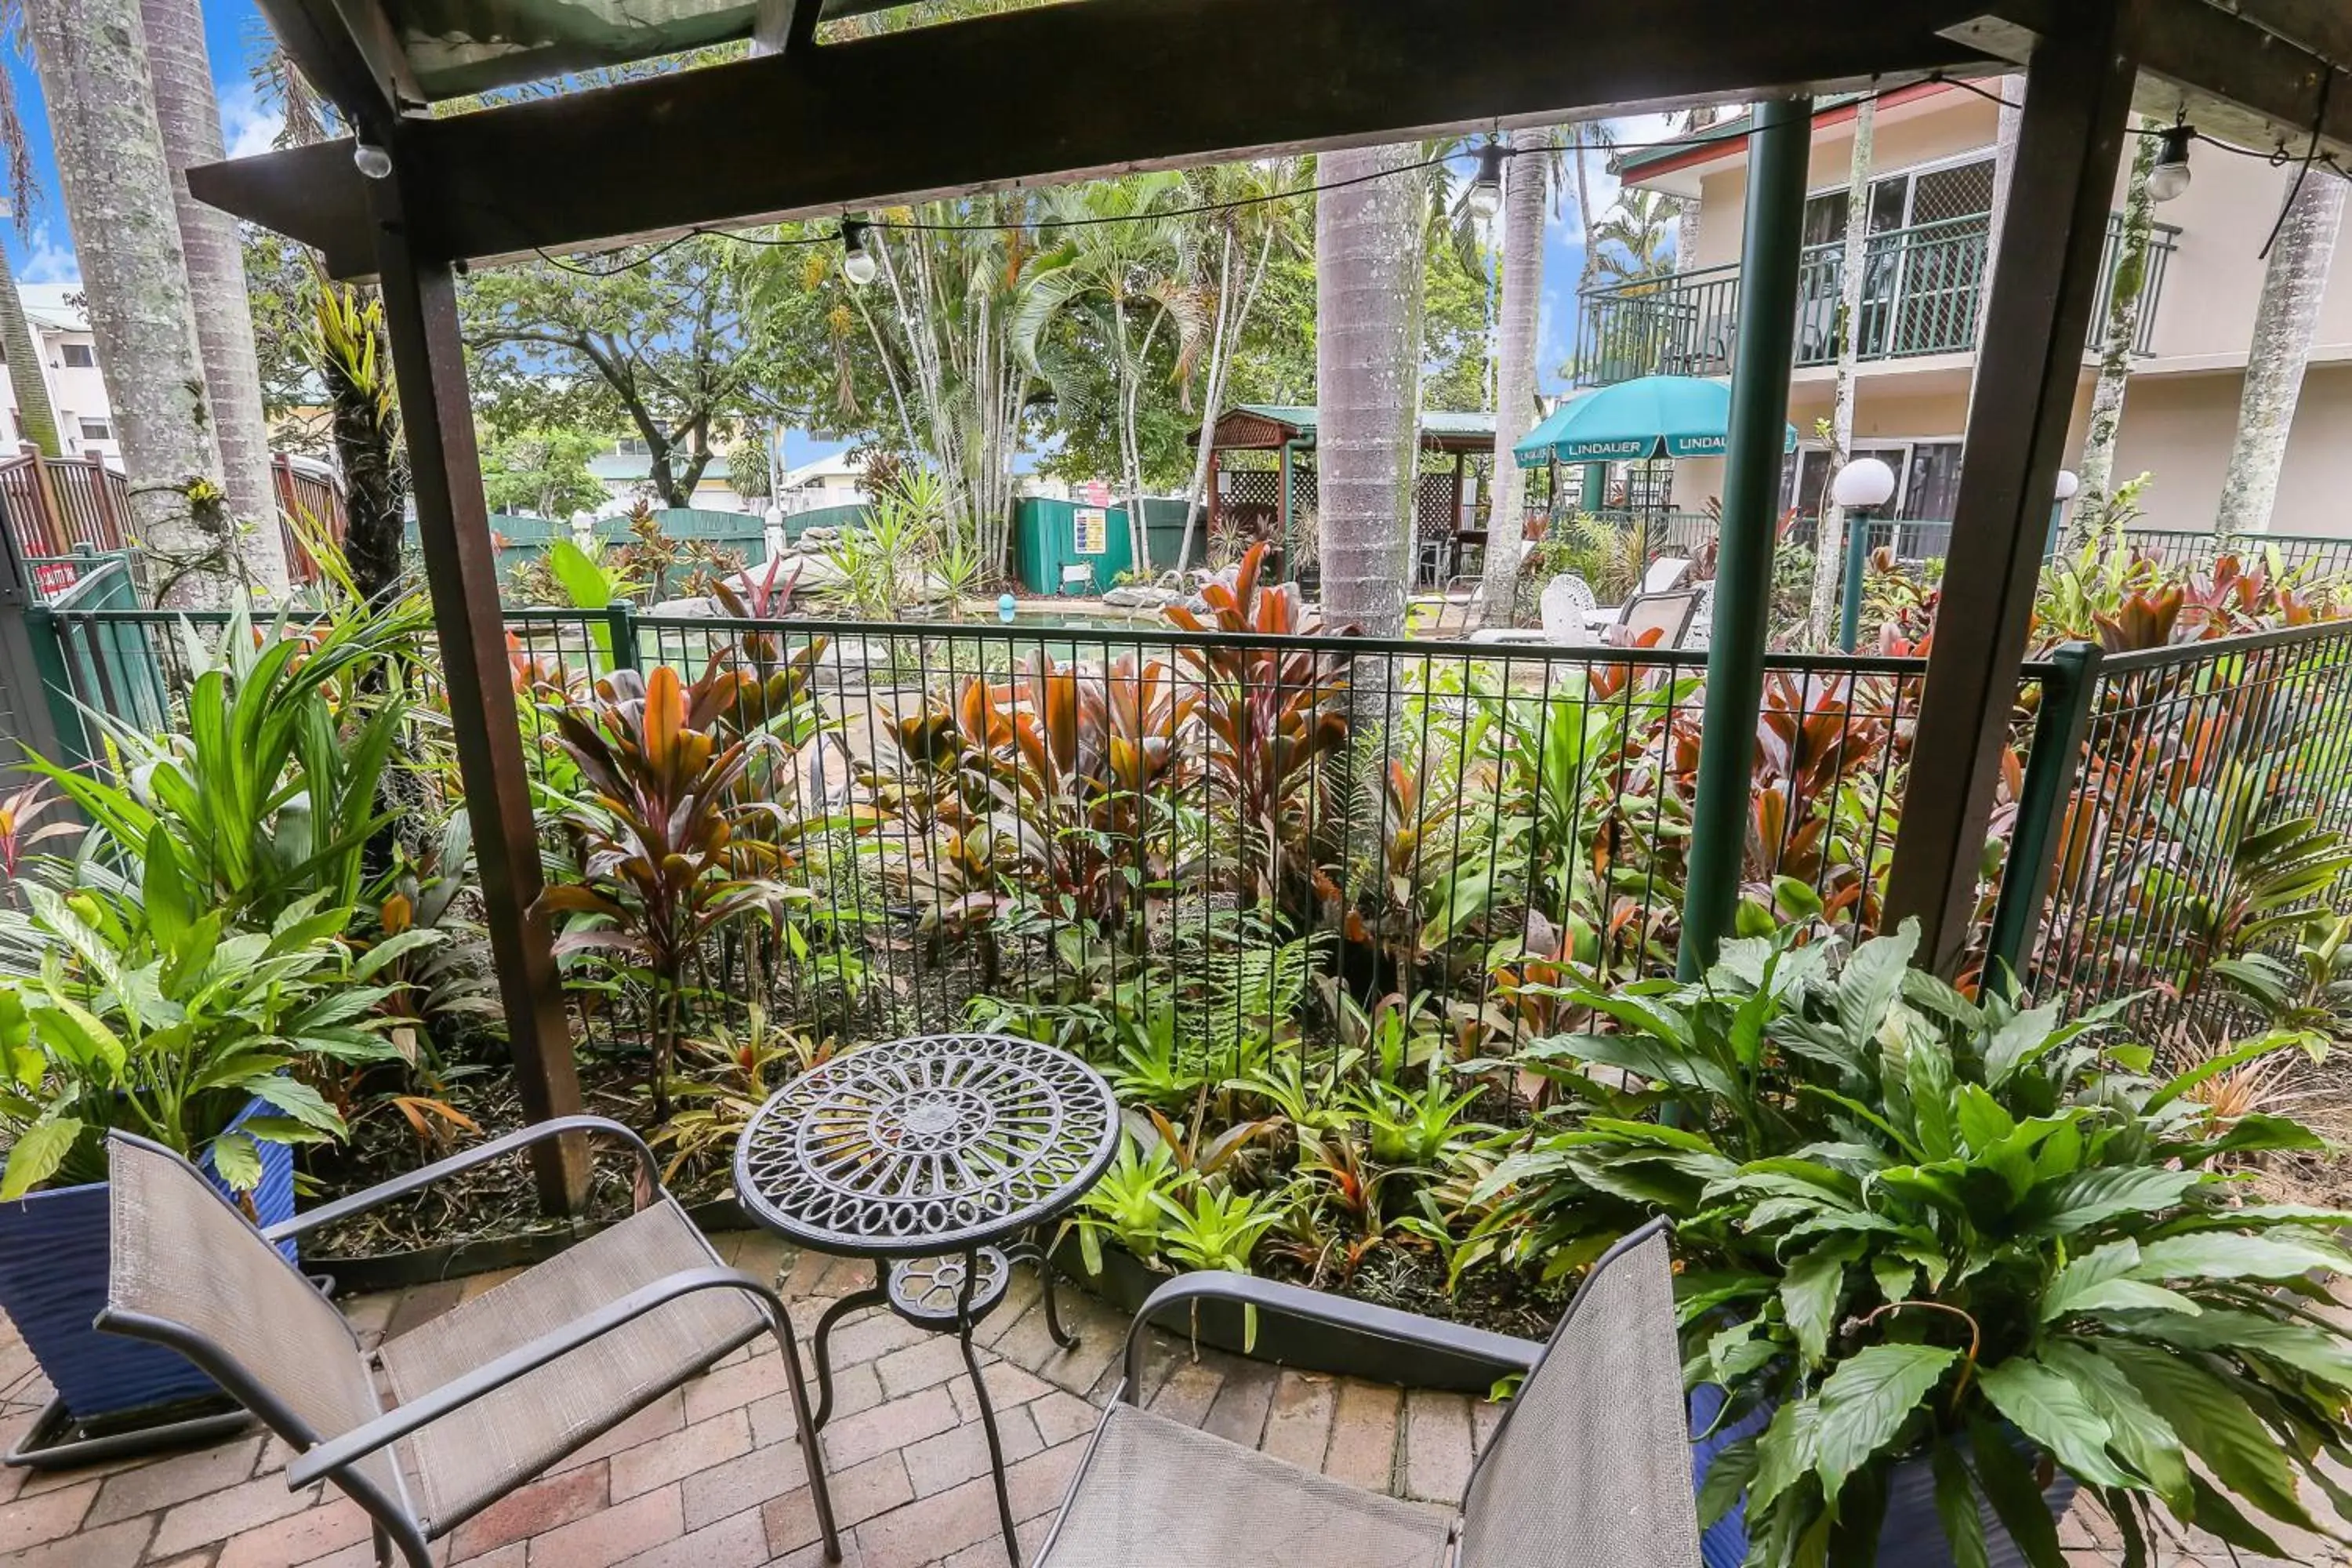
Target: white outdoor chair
<point>1666,574</point>
<point>1565,603</point>
<point>1591,1463</point>
<point>1668,615</point>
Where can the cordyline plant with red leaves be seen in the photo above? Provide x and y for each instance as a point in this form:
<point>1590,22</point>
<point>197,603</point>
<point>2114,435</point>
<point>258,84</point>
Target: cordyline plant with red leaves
<point>655,828</point>
<point>1271,714</point>
<point>1034,791</point>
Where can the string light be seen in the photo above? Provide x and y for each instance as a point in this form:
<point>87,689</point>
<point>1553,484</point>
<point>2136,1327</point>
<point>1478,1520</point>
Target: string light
<point>1483,196</point>
<point>1487,190</point>
<point>856,262</point>
<point>2169,179</point>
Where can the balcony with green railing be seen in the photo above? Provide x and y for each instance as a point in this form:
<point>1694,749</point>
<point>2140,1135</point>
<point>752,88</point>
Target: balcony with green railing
<point>1922,290</point>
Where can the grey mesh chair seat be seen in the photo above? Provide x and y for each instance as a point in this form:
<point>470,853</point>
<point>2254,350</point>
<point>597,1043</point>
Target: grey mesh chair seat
<point>490,1392</point>
<point>1158,1491</point>
<point>1590,1467</point>
<point>475,1454</point>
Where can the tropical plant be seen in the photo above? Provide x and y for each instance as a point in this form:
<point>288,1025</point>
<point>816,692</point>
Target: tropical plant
<point>152,1010</point>
<point>272,792</point>
<point>2238,862</point>
<point>654,832</point>
<point>1124,1208</point>
<point>725,1080</point>
<point>2308,992</point>
<point>22,829</point>
<point>1970,1235</point>
<point>434,960</point>
<point>1271,715</point>
<point>348,348</point>
<point>883,565</point>
<point>1416,1127</point>
<point>1110,254</point>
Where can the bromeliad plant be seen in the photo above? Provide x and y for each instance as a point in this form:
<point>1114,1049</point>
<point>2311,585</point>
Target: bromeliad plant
<point>1919,1229</point>
<point>152,1011</point>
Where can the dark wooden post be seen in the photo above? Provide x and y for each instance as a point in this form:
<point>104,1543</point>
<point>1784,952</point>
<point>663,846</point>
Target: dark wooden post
<point>420,308</point>
<point>2044,288</point>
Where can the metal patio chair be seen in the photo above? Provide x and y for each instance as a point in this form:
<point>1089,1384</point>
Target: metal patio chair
<point>1590,1467</point>
<point>490,1392</point>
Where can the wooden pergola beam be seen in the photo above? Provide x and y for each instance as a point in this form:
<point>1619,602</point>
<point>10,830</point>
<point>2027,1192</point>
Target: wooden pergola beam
<point>2045,284</point>
<point>969,106</point>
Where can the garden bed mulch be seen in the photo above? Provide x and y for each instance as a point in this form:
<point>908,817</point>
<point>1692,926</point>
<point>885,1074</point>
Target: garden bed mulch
<point>488,1217</point>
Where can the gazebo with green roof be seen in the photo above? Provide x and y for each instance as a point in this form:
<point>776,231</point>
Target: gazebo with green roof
<point>1263,502</point>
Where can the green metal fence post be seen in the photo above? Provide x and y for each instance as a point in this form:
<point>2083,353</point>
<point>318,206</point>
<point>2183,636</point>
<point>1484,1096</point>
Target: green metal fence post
<point>620,619</point>
<point>1857,556</point>
<point>1758,437</point>
<point>2068,694</point>
<point>1288,573</point>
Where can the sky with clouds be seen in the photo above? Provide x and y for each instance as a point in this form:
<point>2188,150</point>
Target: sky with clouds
<point>235,36</point>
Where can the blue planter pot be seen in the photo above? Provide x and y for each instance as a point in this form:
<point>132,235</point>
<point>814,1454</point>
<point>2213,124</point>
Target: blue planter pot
<point>1912,1537</point>
<point>53,1271</point>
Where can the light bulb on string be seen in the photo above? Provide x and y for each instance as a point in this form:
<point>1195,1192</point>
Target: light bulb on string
<point>857,260</point>
<point>1487,190</point>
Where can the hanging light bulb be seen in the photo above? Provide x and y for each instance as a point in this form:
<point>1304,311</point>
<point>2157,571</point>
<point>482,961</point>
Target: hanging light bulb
<point>2169,178</point>
<point>856,262</point>
<point>371,160</point>
<point>1487,190</point>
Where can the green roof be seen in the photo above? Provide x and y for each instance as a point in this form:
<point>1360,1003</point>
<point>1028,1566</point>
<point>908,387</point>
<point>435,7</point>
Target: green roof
<point>1435,422</point>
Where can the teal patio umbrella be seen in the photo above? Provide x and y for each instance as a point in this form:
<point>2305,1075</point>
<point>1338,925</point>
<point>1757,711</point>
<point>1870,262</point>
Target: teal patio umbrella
<point>1635,421</point>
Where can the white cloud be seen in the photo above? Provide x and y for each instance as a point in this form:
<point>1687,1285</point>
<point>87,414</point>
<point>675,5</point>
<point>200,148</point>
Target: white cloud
<point>50,261</point>
<point>247,126</point>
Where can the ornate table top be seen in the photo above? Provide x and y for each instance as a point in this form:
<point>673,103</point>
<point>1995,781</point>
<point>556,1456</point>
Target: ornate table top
<point>925,1145</point>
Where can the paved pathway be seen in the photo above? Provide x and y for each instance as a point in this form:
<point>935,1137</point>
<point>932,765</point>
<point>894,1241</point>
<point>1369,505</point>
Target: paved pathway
<point>709,1477</point>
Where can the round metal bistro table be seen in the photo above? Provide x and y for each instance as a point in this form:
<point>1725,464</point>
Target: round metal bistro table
<point>941,1158</point>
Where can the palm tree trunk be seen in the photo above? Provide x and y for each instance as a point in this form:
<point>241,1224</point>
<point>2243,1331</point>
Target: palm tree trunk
<point>1579,136</point>
<point>1232,319</point>
<point>36,418</point>
<point>190,121</point>
<point>2097,469</point>
<point>1829,537</point>
<point>92,60</point>
<point>1369,256</point>
<point>2284,324</point>
<point>1524,189</point>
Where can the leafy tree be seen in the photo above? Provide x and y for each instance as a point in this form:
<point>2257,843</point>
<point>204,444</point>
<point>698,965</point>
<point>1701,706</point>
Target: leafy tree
<point>1636,242</point>
<point>544,473</point>
<point>1115,259</point>
<point>282,281</point>
<point>352,357</point>
<point>649,339</point>
<point>921,361</point>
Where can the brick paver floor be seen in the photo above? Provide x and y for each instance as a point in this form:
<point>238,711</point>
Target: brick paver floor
<point>709,1477</point>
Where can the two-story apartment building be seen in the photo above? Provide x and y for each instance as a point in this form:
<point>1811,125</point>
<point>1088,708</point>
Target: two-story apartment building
<point>68,367</point>
<point>1929,212</point>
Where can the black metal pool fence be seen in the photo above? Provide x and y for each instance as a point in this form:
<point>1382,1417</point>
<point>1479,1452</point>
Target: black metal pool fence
<point>1257,840</point>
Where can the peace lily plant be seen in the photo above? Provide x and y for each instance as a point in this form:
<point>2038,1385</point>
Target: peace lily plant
<point>1976,1236</point>
<point>133,1007</point>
